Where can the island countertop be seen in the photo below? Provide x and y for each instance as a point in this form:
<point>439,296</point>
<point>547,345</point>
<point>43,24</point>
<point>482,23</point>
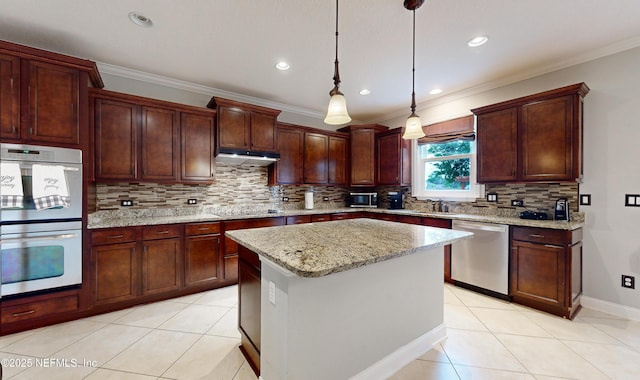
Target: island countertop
<point>319,249</point>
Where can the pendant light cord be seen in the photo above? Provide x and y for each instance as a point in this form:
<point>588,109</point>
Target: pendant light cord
<point>413,68</point>
<point>336,73</point>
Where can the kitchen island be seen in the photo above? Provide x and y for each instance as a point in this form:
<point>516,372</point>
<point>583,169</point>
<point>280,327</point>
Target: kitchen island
<point>356,298</point>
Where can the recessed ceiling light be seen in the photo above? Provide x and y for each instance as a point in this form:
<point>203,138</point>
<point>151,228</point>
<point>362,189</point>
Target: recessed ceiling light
<point>140,19</point>
<point>282,66</point>
<point>435,91</point>
<point>477,41</point>
<point>365,91</point>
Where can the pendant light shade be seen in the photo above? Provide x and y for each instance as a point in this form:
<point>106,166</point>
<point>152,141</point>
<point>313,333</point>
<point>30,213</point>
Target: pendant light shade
<point>337,112</point>
<point>413,127</point>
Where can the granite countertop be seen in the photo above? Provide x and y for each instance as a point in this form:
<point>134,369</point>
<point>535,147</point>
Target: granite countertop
<point>319,249</point>
<point>105,220</point>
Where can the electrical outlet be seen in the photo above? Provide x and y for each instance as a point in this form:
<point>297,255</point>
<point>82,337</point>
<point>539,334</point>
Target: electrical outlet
<point>492,197</point>
<point>628,281</point>
<point>285,199</point>
<point>272,293</point>
<point>325,199</point>
<point>517,202</point>
<point>126,203</point>
<point>632,200</point>
<point>192,201</point>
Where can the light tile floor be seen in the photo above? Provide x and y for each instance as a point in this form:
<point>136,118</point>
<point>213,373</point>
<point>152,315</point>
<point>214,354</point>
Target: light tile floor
<point>196,337</point>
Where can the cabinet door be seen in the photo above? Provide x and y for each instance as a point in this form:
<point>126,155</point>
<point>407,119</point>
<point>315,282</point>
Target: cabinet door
<point>389,158</point>
<point>53,103</point>
<point>9,97</point>
<point>249,307</point>
<point>497,146</point>
<point>316,151</point>
<point>547,140</point>
<point>363,160</point>
<point>263,132</point>
<point>338,154</point>
<point>159,144</point>
<point>233,128</point>
<point>116,140</point>
<point>197,148</point>
<point>161,265</point>
<point>114,274</point>
<point>289,169</point>
<point>537,273</point>
<point>202,256</point>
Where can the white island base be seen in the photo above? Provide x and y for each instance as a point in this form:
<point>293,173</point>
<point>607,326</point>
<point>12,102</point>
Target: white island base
<point>364,323</point>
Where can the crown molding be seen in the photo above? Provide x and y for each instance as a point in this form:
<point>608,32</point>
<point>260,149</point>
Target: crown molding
<point>142,76</point>
<point>608,50</point>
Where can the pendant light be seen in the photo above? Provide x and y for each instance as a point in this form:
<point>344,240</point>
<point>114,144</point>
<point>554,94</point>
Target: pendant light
<point>337,113</point>
<point>413,127</point>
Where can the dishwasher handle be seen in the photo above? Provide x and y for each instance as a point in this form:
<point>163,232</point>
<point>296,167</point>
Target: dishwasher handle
<point>481,226</point>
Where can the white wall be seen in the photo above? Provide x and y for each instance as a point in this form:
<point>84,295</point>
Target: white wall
<point>612,162</point>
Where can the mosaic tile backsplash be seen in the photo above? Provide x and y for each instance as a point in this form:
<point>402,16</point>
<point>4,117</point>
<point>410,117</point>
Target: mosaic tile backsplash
<point>243,189</point>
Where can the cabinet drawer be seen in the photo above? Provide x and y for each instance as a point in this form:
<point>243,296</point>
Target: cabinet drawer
<point>298,219</point>
<point>539,235</point>
<point>161,232</point>
<point>202,229</point>
<point>320,218</point>
<point>436,222</point>
<point>113,236</point>
<point>39,309</point>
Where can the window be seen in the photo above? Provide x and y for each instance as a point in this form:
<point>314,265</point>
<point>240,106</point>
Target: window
<point>445,162</point>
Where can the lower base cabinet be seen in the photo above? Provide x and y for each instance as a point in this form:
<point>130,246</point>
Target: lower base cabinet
<point>202,254</point>
<point>546,269</point>
<point>249,313</point>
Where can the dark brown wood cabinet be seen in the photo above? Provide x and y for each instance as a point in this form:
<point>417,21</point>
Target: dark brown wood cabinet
<point>231,247</point>
<point>9,97</point>
<point>25,313</point>
<point>140,139</point>
<point>442,223</point>
<point>393,155</point>
<point>197,144</point>
<point>162,264</point>
<point>43,96</point>
<point>363,153</point>
<point>115,265</point>
<point>316,154</point>
<point>546,269</point>
<point>338,160</point>
<point>249,306</point>
<point>290,168</point>
<point>202,258</point>
<point>537,138</point>
<point>159,140</point>
<point>244,127</point>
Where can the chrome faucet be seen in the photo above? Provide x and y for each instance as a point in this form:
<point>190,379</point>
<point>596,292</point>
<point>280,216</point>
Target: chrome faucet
<point>439,205</point>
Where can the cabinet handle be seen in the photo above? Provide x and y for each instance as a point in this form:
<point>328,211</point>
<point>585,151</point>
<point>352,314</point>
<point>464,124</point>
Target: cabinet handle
<point>536,236</point>
<point>115,237</point>
<point>162,232</point>
<point>203,229</point>
<point>23,313</point>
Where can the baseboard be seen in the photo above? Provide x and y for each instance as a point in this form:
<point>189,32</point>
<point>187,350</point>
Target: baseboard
<point>395,361</point>
<point>618,310</point>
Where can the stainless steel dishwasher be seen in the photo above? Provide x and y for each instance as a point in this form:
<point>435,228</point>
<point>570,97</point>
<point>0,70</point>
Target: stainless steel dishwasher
<point>482,262</point>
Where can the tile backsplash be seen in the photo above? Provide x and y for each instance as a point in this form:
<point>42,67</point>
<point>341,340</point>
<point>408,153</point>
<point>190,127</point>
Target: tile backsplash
<point>243,189</point>
<point>239,188</point>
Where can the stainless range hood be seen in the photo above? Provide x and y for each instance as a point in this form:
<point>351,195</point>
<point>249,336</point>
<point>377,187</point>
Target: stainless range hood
<point>240,157</point>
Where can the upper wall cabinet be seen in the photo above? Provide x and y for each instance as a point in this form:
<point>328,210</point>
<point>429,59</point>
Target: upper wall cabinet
<point>394,158</point>
<point>43,96</point>
<point>244,127</point>
<point>363,153</point>
<point>310,156</point>
<point>537,138</point>
<point>140,139</point>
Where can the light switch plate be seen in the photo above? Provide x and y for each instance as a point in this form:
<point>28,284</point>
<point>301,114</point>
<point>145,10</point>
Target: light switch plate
<point>492,197</point>
<point>585,199</point>
<point>632,200</point>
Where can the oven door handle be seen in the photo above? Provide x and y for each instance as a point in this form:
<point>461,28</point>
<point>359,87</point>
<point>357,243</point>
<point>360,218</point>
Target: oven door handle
<point>38,238</point>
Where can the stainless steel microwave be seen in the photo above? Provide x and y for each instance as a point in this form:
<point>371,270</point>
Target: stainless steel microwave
<point>363,200</point>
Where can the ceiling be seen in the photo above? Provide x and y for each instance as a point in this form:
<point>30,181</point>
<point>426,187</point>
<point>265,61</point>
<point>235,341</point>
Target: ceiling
<point>233,45</point>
